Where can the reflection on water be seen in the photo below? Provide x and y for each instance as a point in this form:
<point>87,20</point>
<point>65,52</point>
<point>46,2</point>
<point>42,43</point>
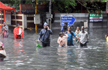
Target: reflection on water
<point>62,57</point>
<point>18,47</point>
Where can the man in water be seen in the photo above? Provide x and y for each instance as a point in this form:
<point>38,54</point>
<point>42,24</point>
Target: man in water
<point>83,37</point>
<point>5,30</point>
<point>18,32</point>
<point>64,28</point>
<point>44,35</point>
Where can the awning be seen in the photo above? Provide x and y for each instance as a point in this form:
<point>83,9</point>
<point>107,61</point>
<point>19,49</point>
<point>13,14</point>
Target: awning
<point>5,7</point>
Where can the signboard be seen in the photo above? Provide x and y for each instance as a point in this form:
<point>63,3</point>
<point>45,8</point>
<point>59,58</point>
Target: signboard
<point>67,18</point>
<point>85,24</point>
<point>96,17</point>
<point>8,18</point>
<point>37,19</point>
<point>27,8</point>
<point>48,15</point>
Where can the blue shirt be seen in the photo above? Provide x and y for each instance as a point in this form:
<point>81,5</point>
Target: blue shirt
<point>44,36</point>
<point>70,38</point>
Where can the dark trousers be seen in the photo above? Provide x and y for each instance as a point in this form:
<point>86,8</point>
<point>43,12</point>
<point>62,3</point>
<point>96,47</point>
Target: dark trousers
<point>18,37</point>
<point>2,57</point>
<point>45,44</point>
<point>83,45</point>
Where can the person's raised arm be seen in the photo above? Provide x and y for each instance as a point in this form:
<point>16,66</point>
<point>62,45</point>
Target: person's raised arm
<point>74,34</point>
<point>66,35</point>
<point>49,30</point>
<point>62,29</point>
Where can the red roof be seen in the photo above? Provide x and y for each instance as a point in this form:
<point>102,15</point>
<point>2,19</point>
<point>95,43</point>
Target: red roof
<point>5,7</point>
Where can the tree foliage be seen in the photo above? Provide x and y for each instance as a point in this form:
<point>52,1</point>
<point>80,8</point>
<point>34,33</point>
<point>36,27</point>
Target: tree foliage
<point>64,5</point>
<point>15,3</point>
<point>61,5</point>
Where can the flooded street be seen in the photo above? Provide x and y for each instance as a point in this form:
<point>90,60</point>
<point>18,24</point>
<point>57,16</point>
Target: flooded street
<point>23,54</point>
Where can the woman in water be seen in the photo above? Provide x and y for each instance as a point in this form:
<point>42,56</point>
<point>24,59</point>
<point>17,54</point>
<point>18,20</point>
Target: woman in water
<point>77,34</point>
<point>70,37</point>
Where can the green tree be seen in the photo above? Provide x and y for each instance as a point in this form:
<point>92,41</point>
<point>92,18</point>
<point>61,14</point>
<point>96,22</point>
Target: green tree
<point>64,5</point>
<point>12,3</point>
<point>60,5</point>
<point>94,5</point>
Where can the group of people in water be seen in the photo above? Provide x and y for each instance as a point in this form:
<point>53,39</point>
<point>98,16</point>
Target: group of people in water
<point>18,33</point>
<point>65,36</point>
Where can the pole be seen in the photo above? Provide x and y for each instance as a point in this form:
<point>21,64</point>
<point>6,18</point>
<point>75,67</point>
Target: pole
<point>15,13</point>
<point>36,13</point>
<point>50,14</point>
<point>4,16</point>
<point>88,23</point>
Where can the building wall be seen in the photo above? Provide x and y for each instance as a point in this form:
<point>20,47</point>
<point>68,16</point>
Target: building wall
<point>25,20</point>
<point>18,20</point>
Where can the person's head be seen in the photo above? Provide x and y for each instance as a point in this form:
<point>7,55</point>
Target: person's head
<point>65,24</point>
<point>61,34</point>
<point>82,28</point>
<point>4,23</point>
<point>69,28</point>
<point>45,25</point>
<point>1,48</point>
<point>106,34</point>
<point>17,25</point>
<point>77,29</point>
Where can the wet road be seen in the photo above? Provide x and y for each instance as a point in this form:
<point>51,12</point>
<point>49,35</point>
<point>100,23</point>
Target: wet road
<point>22,54</point>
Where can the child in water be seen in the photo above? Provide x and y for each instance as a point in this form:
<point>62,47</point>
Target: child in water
<point>106,37</point>
<point>62,40</point>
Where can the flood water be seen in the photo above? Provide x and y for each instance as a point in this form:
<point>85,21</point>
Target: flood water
<point>23,54</point>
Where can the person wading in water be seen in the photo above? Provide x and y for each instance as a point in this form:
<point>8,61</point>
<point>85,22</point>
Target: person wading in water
<point>44,35</point>
<point>83,37</point>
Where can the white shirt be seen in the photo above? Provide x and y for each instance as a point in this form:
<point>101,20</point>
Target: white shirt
<point>20,31</point>
<point>83,37</point>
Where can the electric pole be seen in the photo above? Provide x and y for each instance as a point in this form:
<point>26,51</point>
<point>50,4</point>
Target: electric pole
<point>15,12</point>
<point>50,14</point>
<point>35,13</point>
